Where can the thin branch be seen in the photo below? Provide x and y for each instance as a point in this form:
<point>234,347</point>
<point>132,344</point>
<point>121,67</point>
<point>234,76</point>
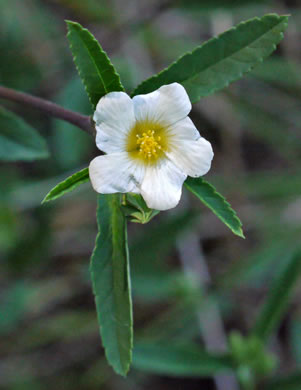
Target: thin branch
<point>82,121</point>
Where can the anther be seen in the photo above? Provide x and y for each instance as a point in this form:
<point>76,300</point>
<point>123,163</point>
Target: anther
<point>148,144</point>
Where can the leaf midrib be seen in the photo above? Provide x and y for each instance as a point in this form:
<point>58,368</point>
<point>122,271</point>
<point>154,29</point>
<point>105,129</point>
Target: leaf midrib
<point>114,211</point>
<point>91,57</point>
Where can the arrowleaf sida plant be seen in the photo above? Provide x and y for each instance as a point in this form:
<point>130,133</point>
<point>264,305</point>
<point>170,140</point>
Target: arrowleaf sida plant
<point>152,149</point>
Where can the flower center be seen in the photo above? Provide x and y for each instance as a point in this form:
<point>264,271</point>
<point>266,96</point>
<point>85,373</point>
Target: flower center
<point>148,144</point>
<point>147,141</point>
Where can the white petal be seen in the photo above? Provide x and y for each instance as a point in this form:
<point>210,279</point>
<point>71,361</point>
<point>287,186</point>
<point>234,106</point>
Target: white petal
<point>167,105</point>
<point>183,130</point>
<point>192,157</point>
<point>162,185</point>
<point>116,173</point>
<point>114,118</point>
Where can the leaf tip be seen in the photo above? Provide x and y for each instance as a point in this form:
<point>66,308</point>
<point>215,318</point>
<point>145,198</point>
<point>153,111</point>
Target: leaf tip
<point>124,371</point>
<point>240,234</point>
<point>70,22</point>
<point>46,199</point>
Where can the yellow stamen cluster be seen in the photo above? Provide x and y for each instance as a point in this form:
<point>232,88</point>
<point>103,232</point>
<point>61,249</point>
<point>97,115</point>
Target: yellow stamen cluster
<point>149,145</point>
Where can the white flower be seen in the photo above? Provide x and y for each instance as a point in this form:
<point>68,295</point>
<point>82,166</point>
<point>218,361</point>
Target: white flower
<point>151,146</point>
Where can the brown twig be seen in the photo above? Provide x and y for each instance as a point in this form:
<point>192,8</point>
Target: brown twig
<point>82,121</point>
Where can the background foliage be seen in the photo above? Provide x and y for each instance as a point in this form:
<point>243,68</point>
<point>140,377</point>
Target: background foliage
<point>48,329</point>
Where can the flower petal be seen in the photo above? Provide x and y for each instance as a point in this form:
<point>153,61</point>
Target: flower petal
<point>116,173</point>
<point>162,185</point>
<point>167,105</point>
<point>192,157</point>
<point>183,130</point>
<point>114,118</point>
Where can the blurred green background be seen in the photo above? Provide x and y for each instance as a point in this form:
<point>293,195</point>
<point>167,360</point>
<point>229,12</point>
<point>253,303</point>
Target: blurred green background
<point>48,330</point>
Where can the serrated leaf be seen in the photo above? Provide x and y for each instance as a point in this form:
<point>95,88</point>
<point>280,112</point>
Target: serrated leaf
<point>278,298</point>
<point>67,185</point>
<point>221,60</point>
<point>215,202</point>
<point>94,67</point>
<point>111,283</point>
<point>179,360</point>
<point>18,140</point>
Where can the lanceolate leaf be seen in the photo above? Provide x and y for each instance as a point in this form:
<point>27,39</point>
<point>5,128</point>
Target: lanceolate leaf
<point>67,185</point>
<point>93,65</point>
<point>216,202</point>
<point>179,360</point>
<point>221,60</point>
<point>278,298</point>
<point>111,283</point>
<point>109,262</point>
<point>18,140</point>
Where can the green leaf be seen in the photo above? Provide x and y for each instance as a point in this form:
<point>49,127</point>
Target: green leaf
<point>111,283</point>
<point>67,185</point>
<point>278,298</point>
<point>291,382</point>
<point>179,360</point>
<point>216,202</point>
<point>18,140</point>
<point>94,67</point>
<point>221,60</point>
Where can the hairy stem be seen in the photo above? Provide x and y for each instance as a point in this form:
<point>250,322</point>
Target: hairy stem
<point>82,121</point>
